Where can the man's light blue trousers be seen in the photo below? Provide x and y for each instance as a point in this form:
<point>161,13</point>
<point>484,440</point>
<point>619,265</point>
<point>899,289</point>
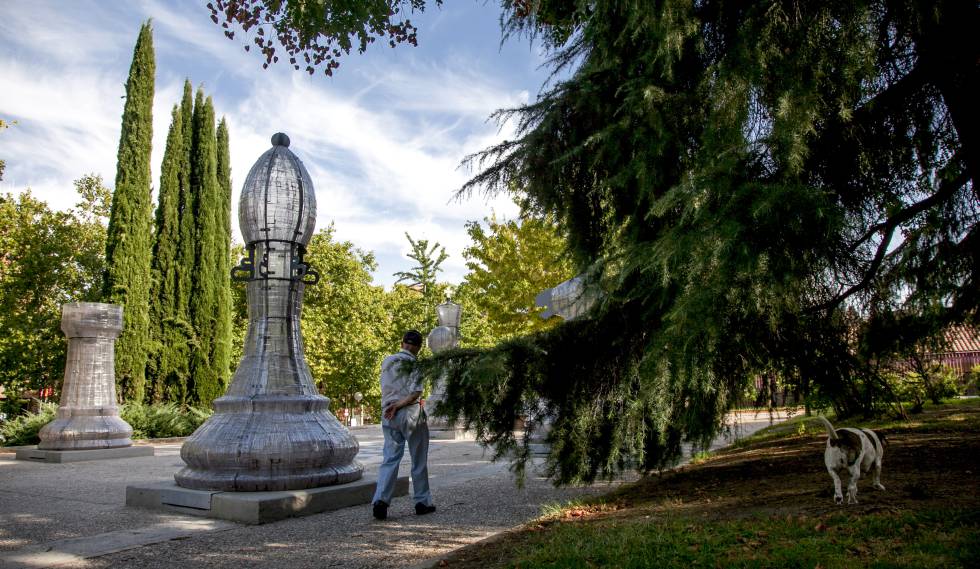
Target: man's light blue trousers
<point>407,426</point>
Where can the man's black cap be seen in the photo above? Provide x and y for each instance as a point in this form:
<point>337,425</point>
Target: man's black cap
<point>412,337</point>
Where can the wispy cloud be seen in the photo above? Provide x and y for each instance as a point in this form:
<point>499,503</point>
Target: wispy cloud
<point>383,145</point>
<point>379,171</point>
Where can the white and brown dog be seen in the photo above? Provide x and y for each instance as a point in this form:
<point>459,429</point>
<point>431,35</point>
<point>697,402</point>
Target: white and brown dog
<point>853,450</point>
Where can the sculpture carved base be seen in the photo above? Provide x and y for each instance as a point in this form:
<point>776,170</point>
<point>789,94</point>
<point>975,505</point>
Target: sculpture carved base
<point>299,445</point>
<point>83,429</point>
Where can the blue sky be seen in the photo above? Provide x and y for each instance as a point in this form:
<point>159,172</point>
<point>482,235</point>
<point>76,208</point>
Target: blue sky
<point>382,139</point>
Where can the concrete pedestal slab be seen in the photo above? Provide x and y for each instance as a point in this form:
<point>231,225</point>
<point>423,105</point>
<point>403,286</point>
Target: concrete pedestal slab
<point>256,507</point>
<point>539,449</point>
<point>446,434</point>
<point>36,455</point>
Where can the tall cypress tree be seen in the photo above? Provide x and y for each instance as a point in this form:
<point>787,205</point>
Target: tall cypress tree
<point>183,388</point>
<point>222,352</point>
<point>129,240</point>
<point>187,202</point>
<point>206,279</point>
<point>167,367</point>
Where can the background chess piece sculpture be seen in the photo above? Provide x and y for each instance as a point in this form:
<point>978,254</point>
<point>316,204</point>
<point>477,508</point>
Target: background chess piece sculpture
<point>272,430</point>
<point>443,337</point>
<point>88,417</point>
<point>568,300</point>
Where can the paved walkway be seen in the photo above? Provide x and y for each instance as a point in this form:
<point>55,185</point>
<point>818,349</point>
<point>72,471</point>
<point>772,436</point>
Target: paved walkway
<point>74,515</point>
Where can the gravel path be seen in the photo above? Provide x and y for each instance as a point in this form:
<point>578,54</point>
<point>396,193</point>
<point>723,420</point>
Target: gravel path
<point>79,510</point>
<point>468,511</point>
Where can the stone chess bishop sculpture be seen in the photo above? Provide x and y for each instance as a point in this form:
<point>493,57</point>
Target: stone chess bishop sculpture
<point>272,430</point>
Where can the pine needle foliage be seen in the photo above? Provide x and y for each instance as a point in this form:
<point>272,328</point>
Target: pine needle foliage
<point>129,242</point>
<point>423,277</point>
<point>777,186</point>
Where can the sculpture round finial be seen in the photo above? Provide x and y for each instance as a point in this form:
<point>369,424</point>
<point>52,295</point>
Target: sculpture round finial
<point>278,201</point>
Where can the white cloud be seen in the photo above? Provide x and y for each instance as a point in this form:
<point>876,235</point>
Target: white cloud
<point>58,31</point>
<point>186,32</point>
<point>383,147</point>
<point>66,124</point>
<point>378,171</point>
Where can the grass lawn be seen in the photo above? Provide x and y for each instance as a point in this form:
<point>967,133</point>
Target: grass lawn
<point>768,502</point>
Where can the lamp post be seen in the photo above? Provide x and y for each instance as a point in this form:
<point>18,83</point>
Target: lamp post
<point>360,412</point>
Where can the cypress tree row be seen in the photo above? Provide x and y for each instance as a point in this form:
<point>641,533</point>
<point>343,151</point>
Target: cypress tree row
<point>129,239</point>
<point>206,280</point>
<point>167,366</point>
<point>222,352</point>
<point>190,305</point>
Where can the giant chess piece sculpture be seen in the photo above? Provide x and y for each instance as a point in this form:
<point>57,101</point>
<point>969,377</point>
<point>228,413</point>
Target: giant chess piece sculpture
<point>88,417</point>
<point>568,300</point>
<point>272,430</point>
<point>443,337</point>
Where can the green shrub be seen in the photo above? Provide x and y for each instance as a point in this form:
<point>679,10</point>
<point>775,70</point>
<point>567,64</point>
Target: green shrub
<point>162,420</point>
<point>12,407</point>
<point>23,429</point>
<point>935,384</point>
<point>942,385</point>
<point>148,421</point>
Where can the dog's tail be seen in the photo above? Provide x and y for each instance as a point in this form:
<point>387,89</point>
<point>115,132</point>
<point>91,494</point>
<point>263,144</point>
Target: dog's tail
<point>828,426</point>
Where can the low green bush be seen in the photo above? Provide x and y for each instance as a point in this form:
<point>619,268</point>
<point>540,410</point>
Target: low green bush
<point>156,421</point>
<point>22,429</point>
<point>973,380</point>
<point>936,384</point>
<point>162,420</point>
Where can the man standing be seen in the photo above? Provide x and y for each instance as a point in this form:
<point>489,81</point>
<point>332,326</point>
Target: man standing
<point>403,420</point>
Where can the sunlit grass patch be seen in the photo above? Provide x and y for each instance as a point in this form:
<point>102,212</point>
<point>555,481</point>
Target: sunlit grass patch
<point>574,509</point>
<point>956,414</point>
<point>701,456</point>
<point>770,504</point>
<point>890,539</point>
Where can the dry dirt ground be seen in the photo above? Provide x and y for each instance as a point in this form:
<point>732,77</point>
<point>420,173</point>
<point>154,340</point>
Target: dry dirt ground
<point>929,464</point>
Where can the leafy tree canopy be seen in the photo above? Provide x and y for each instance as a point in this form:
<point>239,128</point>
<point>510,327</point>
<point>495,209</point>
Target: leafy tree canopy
<point>428,261</point>
<point>510,262</point>
<point>47,258</point>
<point>417,311</point>
<point>317,33</point>
<point>345,324</point>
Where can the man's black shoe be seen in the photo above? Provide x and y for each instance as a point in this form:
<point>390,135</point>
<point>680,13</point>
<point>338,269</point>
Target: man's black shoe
<point>381,510</point>
<point>421,509</point>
